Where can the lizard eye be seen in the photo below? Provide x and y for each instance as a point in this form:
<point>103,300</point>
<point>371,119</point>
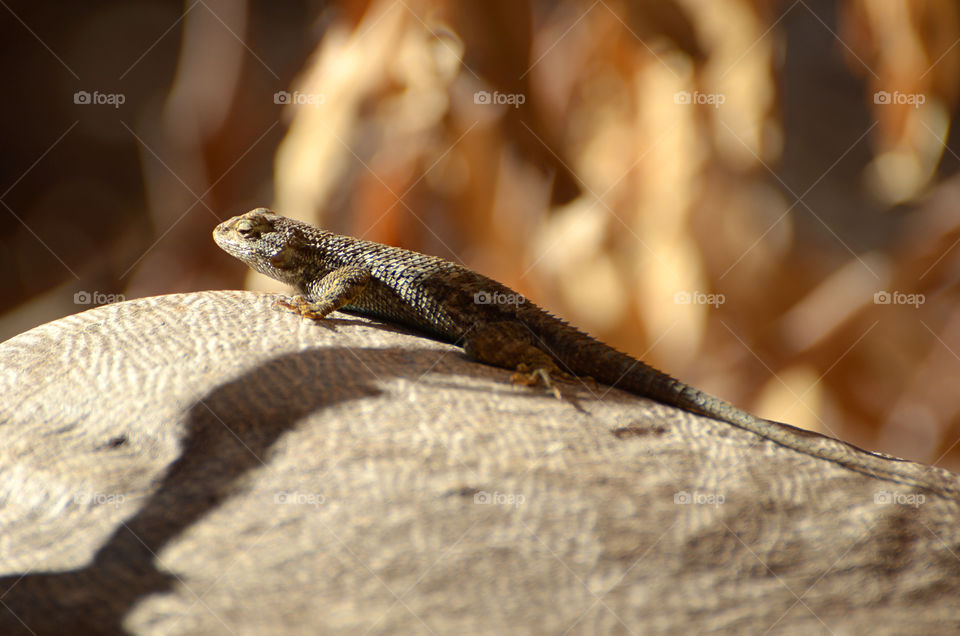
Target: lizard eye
<point>245,228</point>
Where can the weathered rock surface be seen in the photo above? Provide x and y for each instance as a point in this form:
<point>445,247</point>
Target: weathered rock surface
<point>198,463</point>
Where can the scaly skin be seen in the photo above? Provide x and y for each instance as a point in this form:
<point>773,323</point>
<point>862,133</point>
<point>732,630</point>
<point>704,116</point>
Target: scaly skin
<point>497,326</point>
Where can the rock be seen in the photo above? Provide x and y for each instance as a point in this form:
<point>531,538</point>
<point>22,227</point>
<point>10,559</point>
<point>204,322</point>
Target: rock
<point>199,463</point>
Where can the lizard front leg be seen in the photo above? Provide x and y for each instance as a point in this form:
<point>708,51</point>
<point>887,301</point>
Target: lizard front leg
<point>511,345</point>
<point>329,293</point>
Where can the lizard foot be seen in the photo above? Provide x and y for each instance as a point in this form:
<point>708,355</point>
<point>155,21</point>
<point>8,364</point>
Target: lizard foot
<point>300,306</point>
<point>526,376</point>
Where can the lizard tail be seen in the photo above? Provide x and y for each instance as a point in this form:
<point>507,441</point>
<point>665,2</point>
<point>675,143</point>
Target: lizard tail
<point>879,465</point>
<point>587,356</point>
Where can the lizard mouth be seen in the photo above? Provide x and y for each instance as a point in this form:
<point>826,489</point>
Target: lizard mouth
<point>223,234</point>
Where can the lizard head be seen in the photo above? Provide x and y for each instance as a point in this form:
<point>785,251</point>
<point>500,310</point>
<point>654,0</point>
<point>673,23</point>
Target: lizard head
<point>269,243</point>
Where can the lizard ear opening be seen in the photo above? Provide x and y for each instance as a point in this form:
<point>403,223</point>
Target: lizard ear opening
<point>285,258</point>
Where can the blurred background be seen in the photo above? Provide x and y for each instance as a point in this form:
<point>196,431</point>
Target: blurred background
<point>761,198</point>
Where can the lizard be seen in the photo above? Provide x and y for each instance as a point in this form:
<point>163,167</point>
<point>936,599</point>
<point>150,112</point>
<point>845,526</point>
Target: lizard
<point>497,326</point>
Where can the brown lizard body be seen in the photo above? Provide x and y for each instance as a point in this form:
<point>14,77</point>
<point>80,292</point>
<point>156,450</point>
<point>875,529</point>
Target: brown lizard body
<point>497,326</point>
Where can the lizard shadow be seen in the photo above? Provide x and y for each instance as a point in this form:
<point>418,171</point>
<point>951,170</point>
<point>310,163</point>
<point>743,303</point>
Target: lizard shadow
<point>340,318</point>
<point>227,433</point>
<point>573,390</point>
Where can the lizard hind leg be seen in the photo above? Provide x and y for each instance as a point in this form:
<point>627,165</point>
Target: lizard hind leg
<point>510,345</point>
